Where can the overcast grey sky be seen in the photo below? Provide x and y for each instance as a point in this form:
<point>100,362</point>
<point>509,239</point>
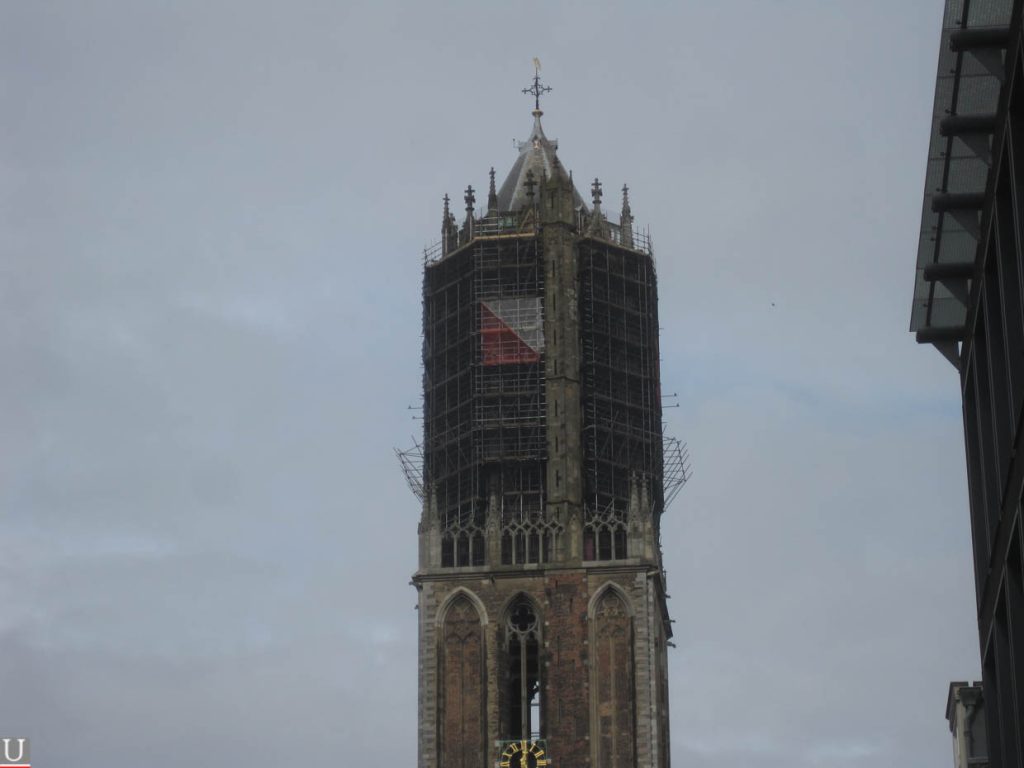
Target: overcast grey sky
<point>211,223</point>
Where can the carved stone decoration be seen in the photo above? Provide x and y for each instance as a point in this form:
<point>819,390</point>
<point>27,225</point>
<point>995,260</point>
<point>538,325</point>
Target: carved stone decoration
<point>614,690</point>
<point>462,705</point>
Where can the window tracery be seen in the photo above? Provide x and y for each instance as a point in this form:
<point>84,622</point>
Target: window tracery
<point>462,541</point>
<point>529,538</point>
<point>522,700</point>
<point>604,534</point>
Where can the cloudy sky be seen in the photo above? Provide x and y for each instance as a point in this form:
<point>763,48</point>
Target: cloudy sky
<point>212,217</point>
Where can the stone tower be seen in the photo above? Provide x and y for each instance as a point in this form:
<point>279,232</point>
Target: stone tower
<point>542,610</point>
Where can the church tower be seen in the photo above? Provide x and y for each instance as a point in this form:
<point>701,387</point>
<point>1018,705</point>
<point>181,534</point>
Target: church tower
<point>542,617</point>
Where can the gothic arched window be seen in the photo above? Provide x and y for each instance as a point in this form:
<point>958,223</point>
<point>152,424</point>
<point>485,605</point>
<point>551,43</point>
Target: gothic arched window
<point>463,687</point>
<point>614,689</point>
<point>521,699</point>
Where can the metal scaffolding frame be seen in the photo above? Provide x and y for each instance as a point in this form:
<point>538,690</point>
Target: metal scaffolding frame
<point>484,422</point>
<point>484,442</point>
<point>621,398</point>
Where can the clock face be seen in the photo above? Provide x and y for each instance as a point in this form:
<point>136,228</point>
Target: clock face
<point>524,754</point>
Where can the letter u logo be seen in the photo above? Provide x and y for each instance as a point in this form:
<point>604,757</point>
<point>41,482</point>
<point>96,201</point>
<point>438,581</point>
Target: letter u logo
<point>7,750</point>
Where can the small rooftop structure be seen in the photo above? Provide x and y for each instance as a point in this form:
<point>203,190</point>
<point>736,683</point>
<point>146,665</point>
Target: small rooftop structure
<point>537,155</point>
<point>965,711</point>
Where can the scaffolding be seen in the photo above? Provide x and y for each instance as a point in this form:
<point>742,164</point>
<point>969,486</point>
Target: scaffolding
<point>631,237</point>
<point>677,467</point>
<point>621,398</point>
<point>484,448</point>
<point>484,408</point>
<point>411,461</point>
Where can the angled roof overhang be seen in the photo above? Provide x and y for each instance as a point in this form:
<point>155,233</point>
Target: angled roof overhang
<point>964,116</point>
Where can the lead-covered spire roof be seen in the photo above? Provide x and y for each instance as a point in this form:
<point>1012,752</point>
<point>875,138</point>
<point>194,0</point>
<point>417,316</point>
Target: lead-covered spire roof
<point>537,154</point>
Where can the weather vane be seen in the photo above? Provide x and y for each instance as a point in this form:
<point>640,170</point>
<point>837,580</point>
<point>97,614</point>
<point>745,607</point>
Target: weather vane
<point>536,89</point>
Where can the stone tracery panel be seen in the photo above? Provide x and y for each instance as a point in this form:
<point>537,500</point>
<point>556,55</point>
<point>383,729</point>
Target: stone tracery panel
<point>463,688</point>
<point>614,689</point>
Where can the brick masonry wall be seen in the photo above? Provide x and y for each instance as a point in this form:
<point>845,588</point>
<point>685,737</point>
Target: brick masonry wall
<point>563,600</point>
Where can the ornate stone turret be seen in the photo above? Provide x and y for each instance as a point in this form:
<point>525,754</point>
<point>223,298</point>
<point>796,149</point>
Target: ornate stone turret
<point>598,226</point>
<point>470,198</point>
<point>449,230</point>
<point>492,197</point>
<point>626,220</point>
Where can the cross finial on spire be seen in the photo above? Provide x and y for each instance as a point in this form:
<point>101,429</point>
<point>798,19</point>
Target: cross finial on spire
<point>536,89</point>
<point>595,190</point>
<point>470,199</point>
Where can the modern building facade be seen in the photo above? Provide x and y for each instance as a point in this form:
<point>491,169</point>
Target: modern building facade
<point>969,303</point>
<point>965,712</point>
<point>543,627</point>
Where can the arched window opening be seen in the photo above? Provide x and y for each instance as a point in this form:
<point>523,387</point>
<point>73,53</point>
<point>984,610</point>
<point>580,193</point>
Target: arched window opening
<point>619,540</point>
<point>477,550</point>
<point>447,552</point>
<point>462,549</point>
<point>523,703</point>
<point>520,547</point>
<point>462,538</point>
<point>533,548</point>
<point>604,544</point>
<point>604,533</point>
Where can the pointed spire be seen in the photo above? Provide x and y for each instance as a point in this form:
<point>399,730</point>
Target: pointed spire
<point>626,220</point>
<point>447,242</point>
<point>470,198</point>
<point>598,227</point>
<point>539,154</point>
<point>492,197</point>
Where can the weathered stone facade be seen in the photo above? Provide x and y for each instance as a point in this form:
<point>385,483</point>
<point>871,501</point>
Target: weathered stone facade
<point>602,658</point>
<point>541,593</point>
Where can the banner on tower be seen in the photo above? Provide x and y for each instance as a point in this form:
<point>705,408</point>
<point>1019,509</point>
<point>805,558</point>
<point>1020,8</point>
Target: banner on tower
<point>511,330</point>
